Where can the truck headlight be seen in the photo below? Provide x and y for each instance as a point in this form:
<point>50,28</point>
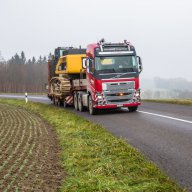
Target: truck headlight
<point>137,93</point>
<point>99,96</point>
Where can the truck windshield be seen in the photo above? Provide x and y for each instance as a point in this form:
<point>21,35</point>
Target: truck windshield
<point>116,64</point>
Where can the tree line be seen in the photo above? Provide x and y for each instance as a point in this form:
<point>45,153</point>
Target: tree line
<point>19,75</point>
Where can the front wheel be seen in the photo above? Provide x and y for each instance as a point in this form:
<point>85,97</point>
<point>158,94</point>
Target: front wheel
<point>133,108</point>
<point>92,111</point>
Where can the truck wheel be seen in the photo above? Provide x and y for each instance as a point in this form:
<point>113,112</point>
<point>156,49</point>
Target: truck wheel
<point>54,102</point>
<point>65,105</point>
<point>76,101</point>
<point>92,111</point>
<point>60,103</point>
<point>132,109</point>
<point>80,103</point>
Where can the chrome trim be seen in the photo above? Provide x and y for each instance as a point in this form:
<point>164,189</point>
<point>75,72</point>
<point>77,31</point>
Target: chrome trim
<point>110,89</point>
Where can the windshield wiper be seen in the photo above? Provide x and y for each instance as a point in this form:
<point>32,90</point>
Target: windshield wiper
<point>128,69</point>
<point>106,71</point>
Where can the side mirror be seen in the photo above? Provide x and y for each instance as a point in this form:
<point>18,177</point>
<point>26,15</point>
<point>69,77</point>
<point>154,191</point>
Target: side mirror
<point>87,65</point>
<point>140,66</point>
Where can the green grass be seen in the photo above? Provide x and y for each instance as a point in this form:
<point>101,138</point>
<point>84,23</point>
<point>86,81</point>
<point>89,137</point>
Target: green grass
<point>95,160</point>
<point>172,101</point>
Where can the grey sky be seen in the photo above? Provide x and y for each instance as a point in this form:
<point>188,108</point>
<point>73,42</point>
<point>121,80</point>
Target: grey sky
<point>160,30</point>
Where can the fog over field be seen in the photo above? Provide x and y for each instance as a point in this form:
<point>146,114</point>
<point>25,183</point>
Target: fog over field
<point>160,30</point>
<point>179,88</point>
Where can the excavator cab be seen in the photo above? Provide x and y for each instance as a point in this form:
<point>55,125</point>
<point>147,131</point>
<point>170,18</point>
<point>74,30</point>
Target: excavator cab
<point>71,61</point>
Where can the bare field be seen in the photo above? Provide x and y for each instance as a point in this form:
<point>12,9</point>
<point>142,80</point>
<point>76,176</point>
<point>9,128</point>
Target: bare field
<point>29,153</point>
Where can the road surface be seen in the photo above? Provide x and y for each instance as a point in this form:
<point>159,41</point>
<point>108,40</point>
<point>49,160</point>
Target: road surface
<point>162,132</point>
<point>35,98</point>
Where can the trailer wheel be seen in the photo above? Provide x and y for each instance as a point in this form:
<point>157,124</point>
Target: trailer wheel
<point>54,102</point>
<point>92,111</point>
<point>60,103</point>
<point>76,101</point>
<point>65,105</point>
<point>133,108</point>
<point>80,103</point>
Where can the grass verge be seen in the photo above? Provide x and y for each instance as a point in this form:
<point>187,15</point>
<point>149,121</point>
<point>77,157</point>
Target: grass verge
<point>95,160</point>
<point>172,101</point>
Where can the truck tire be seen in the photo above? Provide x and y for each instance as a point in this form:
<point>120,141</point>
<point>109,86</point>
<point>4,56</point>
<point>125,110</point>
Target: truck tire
<point>133,108</point>
<point>80,103</point>
<point>65,105</point>
<point>76,101</point>
<point>60,103</point>
<point>54,102</point>
<point>92,111</point>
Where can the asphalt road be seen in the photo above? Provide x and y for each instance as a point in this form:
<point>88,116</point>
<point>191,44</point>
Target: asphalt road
<point>162,132</point>
<point>35,98</point>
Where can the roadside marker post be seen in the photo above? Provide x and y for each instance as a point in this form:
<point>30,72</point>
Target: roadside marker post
<point>26,99</point>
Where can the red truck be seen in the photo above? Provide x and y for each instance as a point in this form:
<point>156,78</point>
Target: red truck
<point>111,79</point>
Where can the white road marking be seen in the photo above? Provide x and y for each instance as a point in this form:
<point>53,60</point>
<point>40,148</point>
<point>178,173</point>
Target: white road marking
<point>33,97</point>
<point>164,116</point>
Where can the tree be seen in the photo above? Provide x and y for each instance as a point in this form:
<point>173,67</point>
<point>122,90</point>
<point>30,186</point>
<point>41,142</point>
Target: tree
<point>29,62</point>
<point>33,60</point>
<point>44,59</point>
<point>23,58</point>
<point>40,60</point>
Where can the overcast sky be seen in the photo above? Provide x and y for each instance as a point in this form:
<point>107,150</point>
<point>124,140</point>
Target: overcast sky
<point>161,30</point>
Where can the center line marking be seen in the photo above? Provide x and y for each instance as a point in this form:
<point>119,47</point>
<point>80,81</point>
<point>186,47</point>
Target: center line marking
<point>168,117</point>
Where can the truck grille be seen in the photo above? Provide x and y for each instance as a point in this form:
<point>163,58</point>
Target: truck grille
<point>119,92</point>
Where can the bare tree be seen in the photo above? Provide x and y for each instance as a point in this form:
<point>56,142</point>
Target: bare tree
<point>20,75</point>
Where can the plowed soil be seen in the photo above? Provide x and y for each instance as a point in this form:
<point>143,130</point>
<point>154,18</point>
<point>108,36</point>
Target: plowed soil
<point>29,152</point>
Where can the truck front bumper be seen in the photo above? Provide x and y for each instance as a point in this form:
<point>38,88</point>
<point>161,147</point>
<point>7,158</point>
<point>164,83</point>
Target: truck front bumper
<point>110,106</point>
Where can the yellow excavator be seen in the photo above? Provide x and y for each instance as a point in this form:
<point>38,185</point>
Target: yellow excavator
<point>66,64</point>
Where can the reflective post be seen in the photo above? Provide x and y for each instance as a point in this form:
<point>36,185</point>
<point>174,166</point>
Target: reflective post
<point>26,99</point>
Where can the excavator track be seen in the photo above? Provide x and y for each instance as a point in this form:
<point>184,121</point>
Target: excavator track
<point>60,86</point>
